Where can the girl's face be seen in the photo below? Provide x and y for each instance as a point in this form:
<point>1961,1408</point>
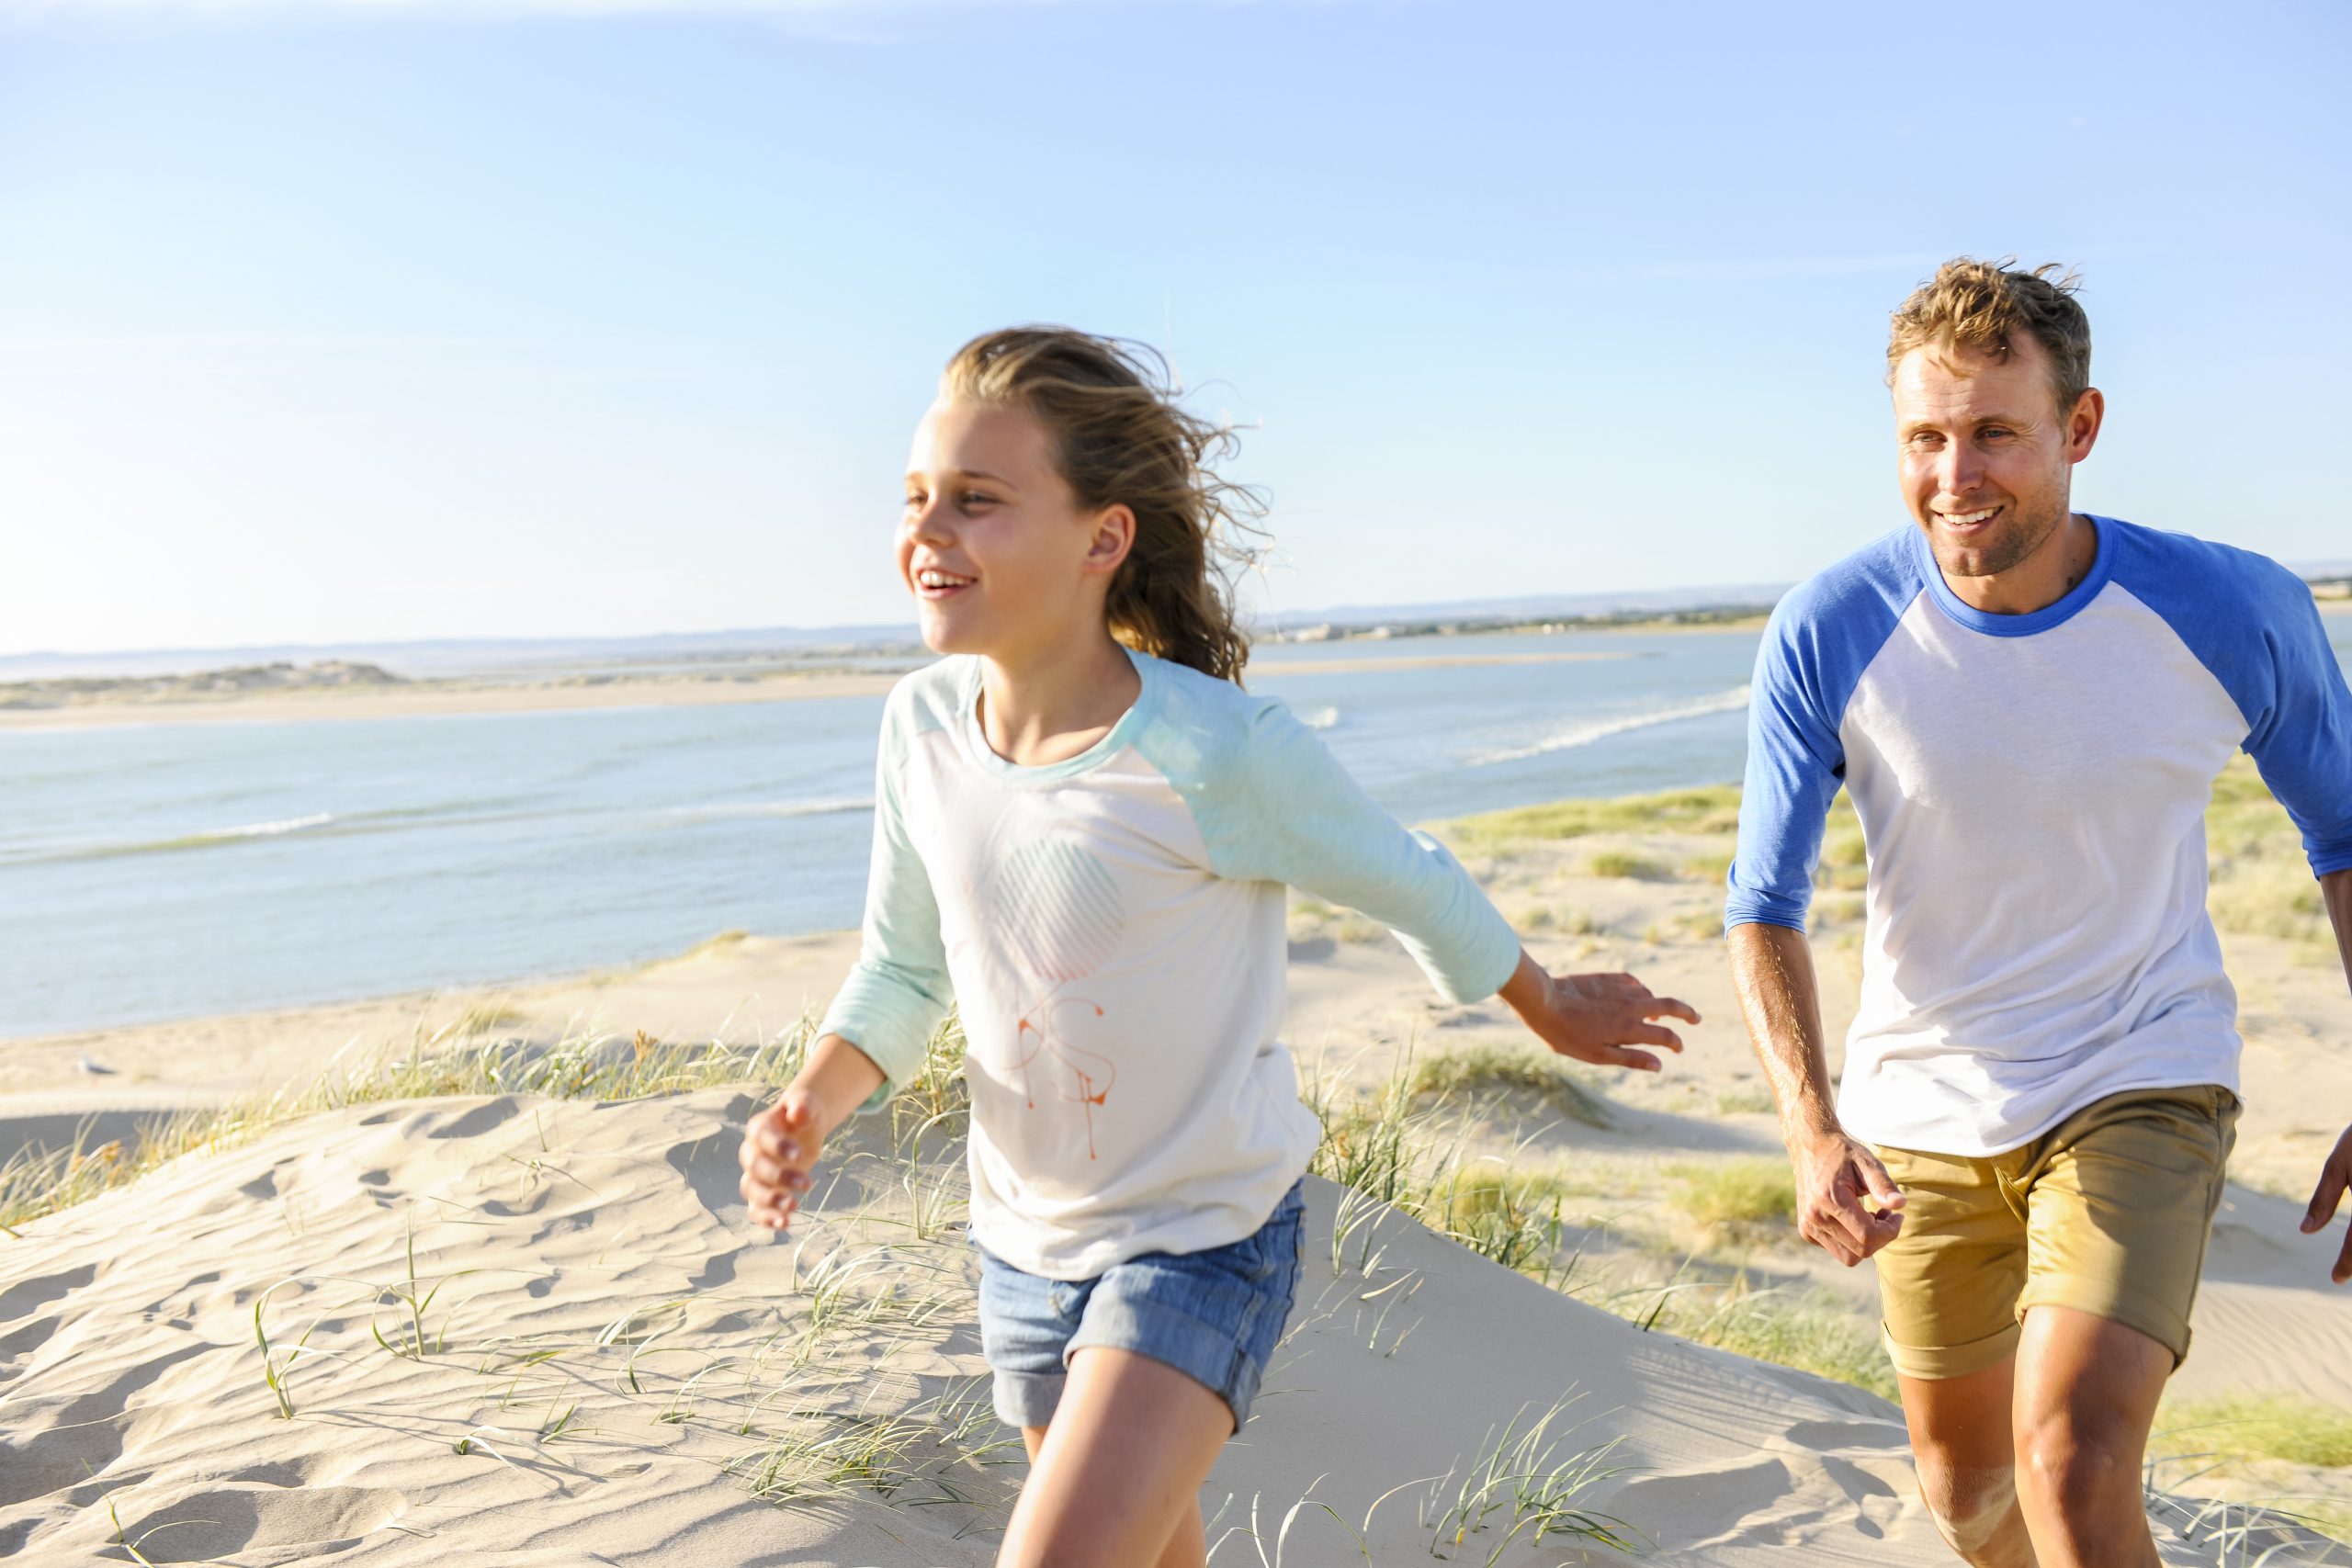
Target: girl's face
<point>998,553</point>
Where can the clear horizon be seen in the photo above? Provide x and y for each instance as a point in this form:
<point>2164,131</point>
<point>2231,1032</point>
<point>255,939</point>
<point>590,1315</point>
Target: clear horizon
<point>328,323</point>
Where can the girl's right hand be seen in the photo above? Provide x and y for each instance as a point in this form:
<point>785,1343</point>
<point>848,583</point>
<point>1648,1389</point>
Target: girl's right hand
<point>780,1146</point>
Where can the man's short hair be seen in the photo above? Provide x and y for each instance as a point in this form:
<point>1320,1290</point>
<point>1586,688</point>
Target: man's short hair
<point>1984,306</point>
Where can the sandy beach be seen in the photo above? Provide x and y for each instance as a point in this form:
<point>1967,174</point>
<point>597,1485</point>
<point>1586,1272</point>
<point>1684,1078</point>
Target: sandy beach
<point>519,1317</point>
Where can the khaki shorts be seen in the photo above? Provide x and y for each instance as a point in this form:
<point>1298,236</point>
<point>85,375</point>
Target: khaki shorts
<point>2107,1212</point>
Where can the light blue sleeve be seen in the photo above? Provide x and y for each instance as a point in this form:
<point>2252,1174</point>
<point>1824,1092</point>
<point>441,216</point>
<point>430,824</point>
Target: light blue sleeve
<point>1275,805</point>
<point>2254,625</point>
<point>899,989</point>
<point>1822,635</point>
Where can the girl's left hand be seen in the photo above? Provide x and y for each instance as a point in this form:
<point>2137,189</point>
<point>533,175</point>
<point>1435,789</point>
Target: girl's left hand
<point>1595,1017</point>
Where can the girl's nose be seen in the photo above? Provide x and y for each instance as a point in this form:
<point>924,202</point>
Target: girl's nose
<point>929,522</point>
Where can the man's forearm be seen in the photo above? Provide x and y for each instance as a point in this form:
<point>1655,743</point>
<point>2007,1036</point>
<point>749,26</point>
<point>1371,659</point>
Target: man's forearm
<point>2336,890</point>
<point>1772,969</point>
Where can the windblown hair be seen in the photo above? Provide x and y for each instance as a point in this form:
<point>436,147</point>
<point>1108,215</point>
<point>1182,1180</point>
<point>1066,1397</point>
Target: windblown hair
<point>1120,438</point>
<point>1985,306</point>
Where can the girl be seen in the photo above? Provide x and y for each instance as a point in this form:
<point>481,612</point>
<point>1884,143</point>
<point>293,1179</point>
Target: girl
<point>1082,829</point>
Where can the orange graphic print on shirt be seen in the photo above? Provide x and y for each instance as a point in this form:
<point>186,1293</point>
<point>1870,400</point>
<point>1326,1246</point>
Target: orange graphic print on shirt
<point>1058,916</point>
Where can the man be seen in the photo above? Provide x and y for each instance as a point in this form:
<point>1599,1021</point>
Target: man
<point>2028,706</point>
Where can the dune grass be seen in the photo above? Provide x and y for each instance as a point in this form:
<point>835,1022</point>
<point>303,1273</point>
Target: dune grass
<point>1707,867</point>
<point>1631,867</point>
<point>1748,1192</point>
<point>1482,1072</point>
<point>2261,882</point>
<point>2257,1426</point>
<point>1407,1148</point>
<point>1747,1099</point>
<point>1521,1475</point>
<point>1714,809</point>
<point>454,1060</point>
<point>1789,1329</point>
<point>1845,861</point>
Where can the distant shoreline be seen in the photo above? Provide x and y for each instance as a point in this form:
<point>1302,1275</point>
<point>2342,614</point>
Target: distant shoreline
<point>442,698</point>
<point>439,697</point>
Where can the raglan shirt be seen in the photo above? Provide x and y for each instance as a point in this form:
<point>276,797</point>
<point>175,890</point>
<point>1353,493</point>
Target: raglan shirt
<point>1113,927</point>
<point>2032,792</point>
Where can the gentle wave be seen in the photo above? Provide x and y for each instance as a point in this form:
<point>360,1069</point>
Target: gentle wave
<point>263,830</point>
<point>774,808</point>
<point>1601,730</point>
<point>207,838</point>
<point>403,819</point>
<point>1320,719</point>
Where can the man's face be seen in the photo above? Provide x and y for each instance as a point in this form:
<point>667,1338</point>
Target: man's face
<point>1986,457</point>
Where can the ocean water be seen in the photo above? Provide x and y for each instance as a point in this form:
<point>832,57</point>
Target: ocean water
<point>169,870</point>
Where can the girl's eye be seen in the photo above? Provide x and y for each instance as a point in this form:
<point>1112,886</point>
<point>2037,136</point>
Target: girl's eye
<point>974,498</point>
<point>914,502</point>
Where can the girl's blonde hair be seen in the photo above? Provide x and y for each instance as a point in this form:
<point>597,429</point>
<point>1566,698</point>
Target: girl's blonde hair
<point>1120,438</point>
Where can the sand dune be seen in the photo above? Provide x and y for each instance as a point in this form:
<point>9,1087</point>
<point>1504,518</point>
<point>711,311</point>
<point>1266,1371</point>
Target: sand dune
<point>614,1366</point>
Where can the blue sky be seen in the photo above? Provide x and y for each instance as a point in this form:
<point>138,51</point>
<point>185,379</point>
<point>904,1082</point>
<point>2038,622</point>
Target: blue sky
<point>330,321</point>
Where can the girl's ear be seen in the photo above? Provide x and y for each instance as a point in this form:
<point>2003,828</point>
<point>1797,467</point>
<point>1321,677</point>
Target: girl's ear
<point>1114,536</point>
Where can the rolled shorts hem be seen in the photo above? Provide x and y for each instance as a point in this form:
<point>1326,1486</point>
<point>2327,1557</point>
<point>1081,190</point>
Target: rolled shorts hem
<point>2157,1322</point>
<point>1209,1356</point>
<point>1156,1333</point>
<point>1933,1363</point>
<point>1026,1399</point>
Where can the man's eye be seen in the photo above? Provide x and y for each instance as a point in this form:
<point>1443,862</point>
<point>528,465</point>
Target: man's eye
<point>1993,432</point>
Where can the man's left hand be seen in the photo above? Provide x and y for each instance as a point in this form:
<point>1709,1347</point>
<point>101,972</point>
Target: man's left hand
<point>2335,1176</point>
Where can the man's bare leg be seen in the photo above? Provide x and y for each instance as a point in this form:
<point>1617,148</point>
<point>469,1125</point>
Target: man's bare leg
<point>1116,1479</point>
<point>2086,1393</point>
<point>1962,1437</point>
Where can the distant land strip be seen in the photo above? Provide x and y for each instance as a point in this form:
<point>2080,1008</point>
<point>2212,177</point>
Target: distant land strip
<point>346,689</point>
<point>240,697</point>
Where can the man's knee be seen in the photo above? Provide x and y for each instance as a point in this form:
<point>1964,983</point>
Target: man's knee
<point>1969,1502</point>
<point>2079,1459</point>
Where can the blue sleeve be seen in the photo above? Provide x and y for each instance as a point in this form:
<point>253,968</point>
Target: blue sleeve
<point>2254,625</point>
<point>1821,638</point>
<point>1273,805</point>
<point>899,989</point>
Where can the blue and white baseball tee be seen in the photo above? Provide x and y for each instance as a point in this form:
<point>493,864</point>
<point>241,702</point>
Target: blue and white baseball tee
<point>2032,793</point>
<point>1113,929</point>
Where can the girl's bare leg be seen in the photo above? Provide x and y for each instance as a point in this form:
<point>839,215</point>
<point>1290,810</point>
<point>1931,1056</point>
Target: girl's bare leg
<point>1116,1479</point>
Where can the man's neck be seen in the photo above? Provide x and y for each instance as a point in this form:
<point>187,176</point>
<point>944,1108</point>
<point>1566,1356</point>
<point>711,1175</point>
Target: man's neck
<point>2047,575</point>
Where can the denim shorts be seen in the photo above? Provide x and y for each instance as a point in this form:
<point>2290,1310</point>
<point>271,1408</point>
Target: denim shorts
<point>1214,1315</point>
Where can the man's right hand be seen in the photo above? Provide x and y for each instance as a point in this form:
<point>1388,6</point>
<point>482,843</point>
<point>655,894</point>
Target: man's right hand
<point>1847,1205</point>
